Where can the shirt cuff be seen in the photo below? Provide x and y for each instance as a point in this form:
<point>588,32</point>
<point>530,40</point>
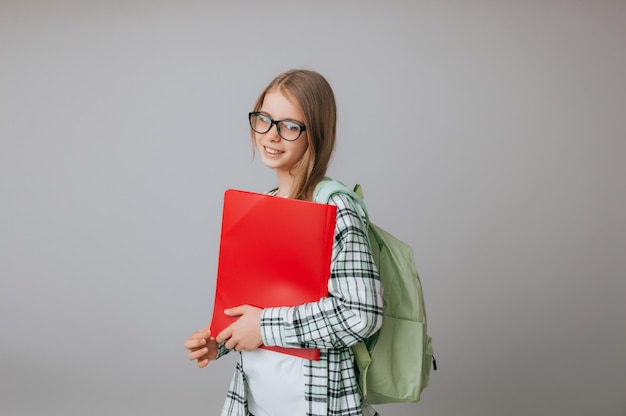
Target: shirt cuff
<point>274,326</point>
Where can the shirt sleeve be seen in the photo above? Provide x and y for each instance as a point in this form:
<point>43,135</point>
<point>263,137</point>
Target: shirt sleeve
<point>353,309</point>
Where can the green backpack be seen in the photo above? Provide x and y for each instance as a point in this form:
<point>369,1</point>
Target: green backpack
<point>394,364</point>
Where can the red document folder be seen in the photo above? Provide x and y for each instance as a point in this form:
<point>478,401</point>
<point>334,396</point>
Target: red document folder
<point>273,252</point>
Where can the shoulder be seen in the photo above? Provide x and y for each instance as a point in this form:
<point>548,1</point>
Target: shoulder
<point>349,213</point>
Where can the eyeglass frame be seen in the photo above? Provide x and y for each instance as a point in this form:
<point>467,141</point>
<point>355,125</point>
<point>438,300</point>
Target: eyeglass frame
<point>272,122</point>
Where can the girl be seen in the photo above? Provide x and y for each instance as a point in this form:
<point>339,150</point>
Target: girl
<point>293,128</point>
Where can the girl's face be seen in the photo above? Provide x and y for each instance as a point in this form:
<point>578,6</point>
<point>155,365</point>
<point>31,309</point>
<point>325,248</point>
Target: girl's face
<point>275,152</point>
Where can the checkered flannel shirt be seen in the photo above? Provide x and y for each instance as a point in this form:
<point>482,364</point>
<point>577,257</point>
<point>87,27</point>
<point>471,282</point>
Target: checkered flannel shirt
<point>351,312</point>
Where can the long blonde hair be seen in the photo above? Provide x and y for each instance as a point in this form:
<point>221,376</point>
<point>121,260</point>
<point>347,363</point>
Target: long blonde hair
<point>309,90</point>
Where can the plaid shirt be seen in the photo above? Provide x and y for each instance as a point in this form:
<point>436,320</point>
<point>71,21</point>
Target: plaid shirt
<point>351,312</point>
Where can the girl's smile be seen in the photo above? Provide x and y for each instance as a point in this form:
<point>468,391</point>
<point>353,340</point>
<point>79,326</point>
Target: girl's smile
<point>272,151</point>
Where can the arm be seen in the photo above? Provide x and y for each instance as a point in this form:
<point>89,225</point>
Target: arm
<point>353,309</point>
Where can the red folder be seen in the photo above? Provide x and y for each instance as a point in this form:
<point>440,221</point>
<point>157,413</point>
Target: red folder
<point>273,252</point>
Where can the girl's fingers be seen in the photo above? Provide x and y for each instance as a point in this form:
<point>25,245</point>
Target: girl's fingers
<point>202,334</point>
<point>195,343</point>
<point>198,354</point>
<point>201,347</point>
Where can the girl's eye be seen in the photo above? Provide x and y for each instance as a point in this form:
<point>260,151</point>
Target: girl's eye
<point>291,126</point>
<point>264,119</point>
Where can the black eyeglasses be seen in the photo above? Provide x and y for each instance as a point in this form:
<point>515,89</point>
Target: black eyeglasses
<point>287,129</point>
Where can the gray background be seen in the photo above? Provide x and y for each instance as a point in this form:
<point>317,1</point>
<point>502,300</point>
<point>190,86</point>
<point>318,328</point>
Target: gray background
<point>489,135</point>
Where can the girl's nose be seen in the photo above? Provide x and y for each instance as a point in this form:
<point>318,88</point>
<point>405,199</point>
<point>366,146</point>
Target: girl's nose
<point>272,133</point>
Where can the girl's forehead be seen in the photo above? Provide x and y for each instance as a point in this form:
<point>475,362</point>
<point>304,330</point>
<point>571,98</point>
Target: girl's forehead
<point>281,105</point>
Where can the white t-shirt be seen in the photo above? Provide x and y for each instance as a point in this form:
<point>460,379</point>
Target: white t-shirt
<point>275,383</point>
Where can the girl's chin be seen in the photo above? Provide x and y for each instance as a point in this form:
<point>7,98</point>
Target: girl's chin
<point>269,162</point>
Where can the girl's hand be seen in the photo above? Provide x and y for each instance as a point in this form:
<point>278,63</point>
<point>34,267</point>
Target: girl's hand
<point>245,333</point>
<point>202,347</point>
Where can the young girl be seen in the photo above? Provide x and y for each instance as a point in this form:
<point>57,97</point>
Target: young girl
<point>293,127</point>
